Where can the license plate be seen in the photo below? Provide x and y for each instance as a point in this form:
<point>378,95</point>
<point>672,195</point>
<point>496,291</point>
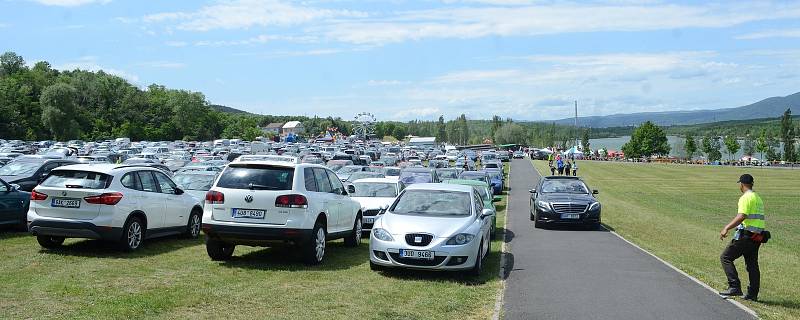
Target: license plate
<point>249,213</point>
<point>65,203</point>
<point>570,216</point>
<point>369,220</point>
<point>417,254</point>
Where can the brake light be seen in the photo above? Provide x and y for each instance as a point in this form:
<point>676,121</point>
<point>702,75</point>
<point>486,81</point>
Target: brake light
<point>110,199</point>
<point>291,201</point>
<point>215,197</point>
<point>38,196</point>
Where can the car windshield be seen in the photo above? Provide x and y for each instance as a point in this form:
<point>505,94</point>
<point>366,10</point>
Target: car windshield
<point>472,176</point>
<point>564,186</point>
<point>256,177</point>
<point>409,177</point>
<point>18,168</point>
<point>336,167</point>
<point>433,203</point>
<point>482,192</point>
<point>448,174</point>
<point>349,169</point>
<point>375,189</point>
<point>76,179</point>
<point>363,175</point>
<point>391,172</point>
<point>201,182</point>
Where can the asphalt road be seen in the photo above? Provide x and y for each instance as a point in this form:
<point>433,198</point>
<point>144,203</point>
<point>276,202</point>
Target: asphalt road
<point>576,274</point>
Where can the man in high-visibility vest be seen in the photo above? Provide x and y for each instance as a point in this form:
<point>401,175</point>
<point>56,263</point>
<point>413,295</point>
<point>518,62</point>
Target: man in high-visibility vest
<point>749,224</point>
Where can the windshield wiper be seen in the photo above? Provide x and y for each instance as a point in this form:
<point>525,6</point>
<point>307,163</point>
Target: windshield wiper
<point>253,186</point>
<point>74,186</point>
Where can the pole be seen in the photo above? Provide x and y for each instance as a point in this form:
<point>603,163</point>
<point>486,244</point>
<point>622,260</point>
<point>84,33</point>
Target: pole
<point>576,123</point>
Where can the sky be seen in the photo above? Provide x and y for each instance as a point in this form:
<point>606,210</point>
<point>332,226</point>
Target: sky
<point>404,60</point>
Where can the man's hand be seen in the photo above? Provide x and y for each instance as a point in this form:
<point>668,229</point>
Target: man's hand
<point>723,233</point>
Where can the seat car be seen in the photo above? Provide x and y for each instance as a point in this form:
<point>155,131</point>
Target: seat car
<point>375,195</point>
<point>13,205</point>
<point>433,227</point>
<point>126,204</point>
<point>564,200</point>
<point>486,195</point>
<point>27,172</point>
<point>268,203</point>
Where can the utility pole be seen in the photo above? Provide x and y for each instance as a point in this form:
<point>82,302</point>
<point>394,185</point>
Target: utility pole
<point>576,123</point>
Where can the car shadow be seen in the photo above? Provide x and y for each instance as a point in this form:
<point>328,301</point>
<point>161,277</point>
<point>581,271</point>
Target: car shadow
<point>9,232</point>
<point>567,227</point>
<point>490,271</point>
<point>110,249</point>
<point>288,258</point>
<point>509,235</point>
<point>509,265</point>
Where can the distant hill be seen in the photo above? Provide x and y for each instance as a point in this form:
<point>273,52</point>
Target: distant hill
<point>227,109</point>
<point>767,108</point>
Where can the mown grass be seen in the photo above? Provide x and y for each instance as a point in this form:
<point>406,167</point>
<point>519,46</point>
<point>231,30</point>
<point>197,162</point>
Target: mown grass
<point>174,279</point>
<point>677,211</point>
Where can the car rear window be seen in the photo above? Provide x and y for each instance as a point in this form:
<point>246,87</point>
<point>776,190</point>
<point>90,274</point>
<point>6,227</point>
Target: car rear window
<point>77,180</point>
<point>257,177</point>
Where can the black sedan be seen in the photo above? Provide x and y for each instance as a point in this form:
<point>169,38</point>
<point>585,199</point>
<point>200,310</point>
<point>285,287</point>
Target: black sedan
<point>564,200</point>
<point>13,205</point>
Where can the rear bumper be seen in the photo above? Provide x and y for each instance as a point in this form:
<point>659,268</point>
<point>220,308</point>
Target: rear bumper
<point>73,230</point>
<point>255,236</point>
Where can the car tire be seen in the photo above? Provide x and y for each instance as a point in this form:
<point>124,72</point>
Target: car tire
<point>375,267</point>
<point>354,239</point>
<point>194,224</point>
<point>478,268</point>
<point>314,248</point>
<point>218,250</point>
<point>536,223</point>
<point>132,234</point>
<point>49,242</point>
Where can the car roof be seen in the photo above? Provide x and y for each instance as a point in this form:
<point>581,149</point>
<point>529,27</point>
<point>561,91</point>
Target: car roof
<point>101,167</point>
<point>198,173</point>
<point>467,182</point>
<point>440,187</point>
<point>418,169</point>
<point>562,178</point>
<point>376,180</point>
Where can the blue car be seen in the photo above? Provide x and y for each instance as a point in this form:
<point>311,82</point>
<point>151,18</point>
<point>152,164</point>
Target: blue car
<point>496,181</point>
<point>13,205</point>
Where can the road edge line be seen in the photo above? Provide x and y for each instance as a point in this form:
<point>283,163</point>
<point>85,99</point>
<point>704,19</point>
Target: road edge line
<point>703,284</point>
<point>498,302</point>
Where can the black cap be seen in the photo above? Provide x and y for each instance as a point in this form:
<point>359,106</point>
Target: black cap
<point>746,179</point>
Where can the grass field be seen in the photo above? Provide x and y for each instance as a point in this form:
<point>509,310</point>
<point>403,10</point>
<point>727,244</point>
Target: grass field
<point>174,279</point>
<point>677,211</point>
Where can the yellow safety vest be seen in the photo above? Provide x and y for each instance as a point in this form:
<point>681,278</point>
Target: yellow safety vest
<point>752,207</point>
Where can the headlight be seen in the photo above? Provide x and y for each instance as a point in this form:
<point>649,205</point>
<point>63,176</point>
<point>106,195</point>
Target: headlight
<point>594,206</point>
<point>382,234</point>
<point>460,239</point>
<point>543,205</point>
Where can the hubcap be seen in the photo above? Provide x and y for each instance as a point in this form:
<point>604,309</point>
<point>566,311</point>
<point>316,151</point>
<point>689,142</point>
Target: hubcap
<point>359,230</point>
<point>320,245</point>
<point>195,230</point>
<point>134,235</point>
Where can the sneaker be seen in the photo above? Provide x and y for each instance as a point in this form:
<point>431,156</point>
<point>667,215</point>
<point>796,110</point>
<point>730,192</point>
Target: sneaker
<point>749,297</point>
<point>731,292</point>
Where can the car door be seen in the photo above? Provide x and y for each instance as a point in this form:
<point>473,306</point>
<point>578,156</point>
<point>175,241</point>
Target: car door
<point>345,210</point>
<point>11,203</point>
<point>325,194</point>
<point>176,213</point>
<point>152,202</point>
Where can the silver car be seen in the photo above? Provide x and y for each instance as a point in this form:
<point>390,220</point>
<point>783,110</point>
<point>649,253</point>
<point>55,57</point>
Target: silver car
<point>433,227</point>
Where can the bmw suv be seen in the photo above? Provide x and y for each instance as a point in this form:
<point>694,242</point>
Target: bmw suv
<point>267,203</point>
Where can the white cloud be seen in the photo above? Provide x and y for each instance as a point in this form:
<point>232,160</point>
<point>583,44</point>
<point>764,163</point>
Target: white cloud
<point>416,113</point>
<point>260,39</point>
<point>70,3</point>
<point>784,33</point>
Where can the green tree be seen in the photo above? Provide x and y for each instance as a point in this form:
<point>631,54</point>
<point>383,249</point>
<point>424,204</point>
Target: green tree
<point>749,145</point>
<point>59,103</point>
<point>787,136</point>
<point>11,63</point>
<point>647,140</point>
<point>441,130</point>
<point>714,153</point>
<point>761,143</point>
<point>732,145</point>
<point>497,122</point>
<point>585,140</point>
<point>510,133</point>
<point>690,146</point>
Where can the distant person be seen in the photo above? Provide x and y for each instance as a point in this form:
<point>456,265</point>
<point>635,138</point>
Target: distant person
<point>560,166</point>
<point>568,167</point>
<point>552,170</point>
<point>750,234</point>
<point>574,168</point>
<point>550,160</point>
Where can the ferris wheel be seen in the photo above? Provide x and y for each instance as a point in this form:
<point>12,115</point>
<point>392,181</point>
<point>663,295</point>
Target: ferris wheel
<point>364,125</point>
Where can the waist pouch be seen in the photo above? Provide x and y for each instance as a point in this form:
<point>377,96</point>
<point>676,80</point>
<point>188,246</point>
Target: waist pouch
<point>762,237</point>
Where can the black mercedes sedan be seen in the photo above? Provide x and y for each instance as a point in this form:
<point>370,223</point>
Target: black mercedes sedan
<point>564,200</point>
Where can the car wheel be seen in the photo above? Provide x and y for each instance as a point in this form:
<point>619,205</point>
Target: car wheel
<point>354,239</point>
<point>375,267</point>
<point>132,234</point>
<point>218,250</point>
<point>478,268</point>
<point>536,223</point>
<point>315,247</point>
<point>49,242</point>
<point>193,227</point>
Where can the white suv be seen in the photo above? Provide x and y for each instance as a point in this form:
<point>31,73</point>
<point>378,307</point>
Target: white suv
<point>121,203</point>
<point>265,203</point>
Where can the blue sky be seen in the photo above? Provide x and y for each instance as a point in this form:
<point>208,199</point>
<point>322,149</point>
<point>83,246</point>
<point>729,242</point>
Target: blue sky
<point>402,60</point>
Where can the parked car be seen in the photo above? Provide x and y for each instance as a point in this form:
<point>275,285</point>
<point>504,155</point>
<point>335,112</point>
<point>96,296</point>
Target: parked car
<point>519,155</point>
<point>392,172</point>
<point>434,227</point>
<point>363,175</point>
<point>126,204</point>
<point>496,181</point>
<point>375,195</point>
<point>267,203</point>
<point>445,174</point>
<point>486,195</point>
<point>13,205</point>
<point>195,183</point>
<point>564,200</point>
<point>412,175</point>
<point>475,175</point>
<point>27,172</point>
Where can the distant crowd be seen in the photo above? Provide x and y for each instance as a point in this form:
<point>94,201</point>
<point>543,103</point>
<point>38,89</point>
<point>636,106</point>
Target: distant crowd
<point>561,165</point>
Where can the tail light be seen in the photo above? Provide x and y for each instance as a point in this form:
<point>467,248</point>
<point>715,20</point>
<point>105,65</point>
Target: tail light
<point>215,197</point>
<point>38,196</point>
<point>291,201</point>
<point>109,199</point>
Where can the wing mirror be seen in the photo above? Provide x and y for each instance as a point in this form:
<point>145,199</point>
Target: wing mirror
<point>532,190</point>
<point>14,187</point>
<point>486,213</point>
<point>595,191</point>
<point>351,188</point>
<point>179,191</point>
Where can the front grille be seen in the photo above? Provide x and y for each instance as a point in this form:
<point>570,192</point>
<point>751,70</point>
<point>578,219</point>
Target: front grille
<point>425,239</point>
<point>415,262</point>
<point>569,208</point>
<point>371,213</point>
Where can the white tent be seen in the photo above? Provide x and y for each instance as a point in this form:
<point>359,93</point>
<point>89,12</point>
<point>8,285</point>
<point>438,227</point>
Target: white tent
<point>573,152</point>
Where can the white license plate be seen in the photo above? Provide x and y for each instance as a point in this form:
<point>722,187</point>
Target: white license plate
<point>249,213</point>
<point>416,254</point>
<point>65,203</point>
<point>570,216</point>
<point>369,220</point>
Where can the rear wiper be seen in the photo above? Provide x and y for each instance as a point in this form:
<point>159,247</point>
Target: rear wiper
<point>74,186</point>
<point>253,186</point>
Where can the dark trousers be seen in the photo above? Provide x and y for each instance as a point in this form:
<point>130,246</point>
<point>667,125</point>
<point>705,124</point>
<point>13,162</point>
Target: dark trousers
<point>738,248</point>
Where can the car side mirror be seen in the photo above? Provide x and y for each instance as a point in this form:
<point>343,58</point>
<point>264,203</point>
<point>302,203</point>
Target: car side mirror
<point>13,187</point>
<point>179,191</point>
<point>496,199</point>
<point>532,190</point>
<point>486,213</point>
<point>595,191</point>
<point>351,189</point>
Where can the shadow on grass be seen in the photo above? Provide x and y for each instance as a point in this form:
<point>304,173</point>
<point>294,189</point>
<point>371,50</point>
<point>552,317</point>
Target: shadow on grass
<point>786,303</point>
<point>288,258</point>
<point>490,272</point>
<point>110,249</point>
<point>9,232</point>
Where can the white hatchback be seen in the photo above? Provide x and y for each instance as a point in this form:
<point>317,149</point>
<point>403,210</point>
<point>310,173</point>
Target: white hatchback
<point>122,203</point>
<point>267,203</point>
